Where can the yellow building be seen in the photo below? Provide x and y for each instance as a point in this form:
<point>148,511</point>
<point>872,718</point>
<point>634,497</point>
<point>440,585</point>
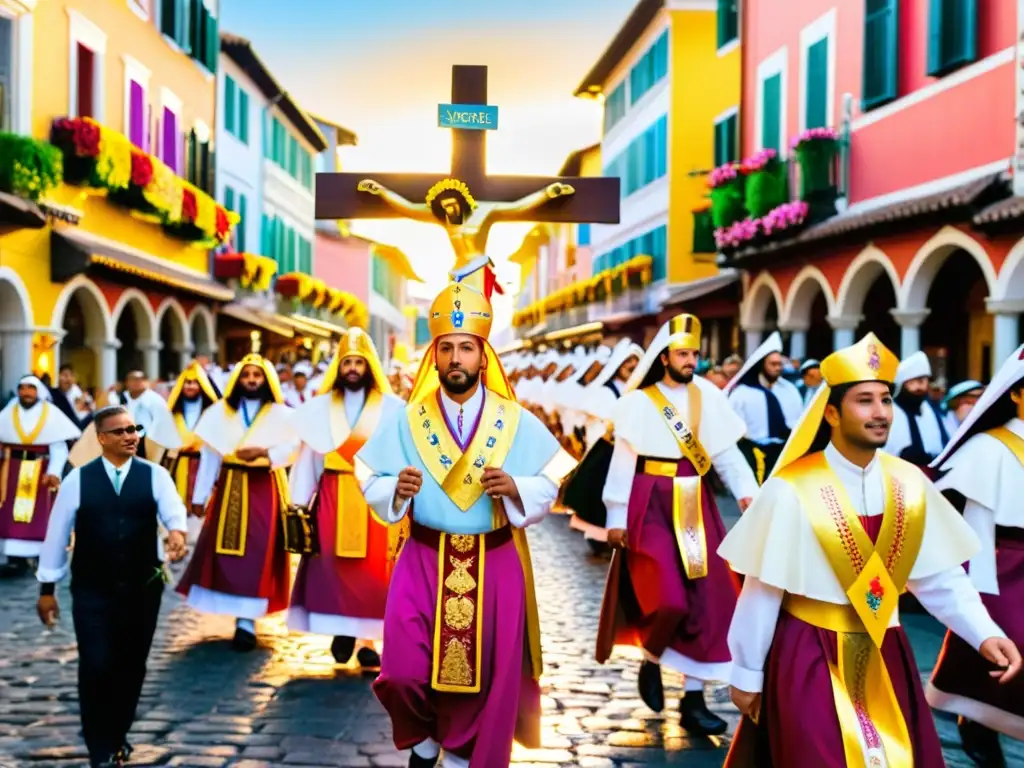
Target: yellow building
<point>669,84</point>
<point>113,273</point>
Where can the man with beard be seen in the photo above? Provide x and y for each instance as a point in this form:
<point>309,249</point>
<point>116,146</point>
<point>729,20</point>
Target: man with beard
<point>768,404</point>
<point>461,471</point>
<point>918,433</point>
<point>822,669</point>
<point>193,393</point>
<point>240,566</point>
<point>983,470</point>
<point>341,588</point>
<point>674,598</point>
<point>33,453</point>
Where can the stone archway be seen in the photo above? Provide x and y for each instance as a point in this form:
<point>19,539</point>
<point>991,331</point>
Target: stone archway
<point>761,309</point>
<point>808,306</point>
<point>202,333</point>
<point>174,337</point>
<point>135,328</point>
<point>15,331</point>
<point>869,293</point>
<point>88,345</point>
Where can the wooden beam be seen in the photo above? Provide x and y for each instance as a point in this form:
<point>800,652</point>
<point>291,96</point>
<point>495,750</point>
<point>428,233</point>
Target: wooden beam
<point>469,148</point>
<point>596,200</point>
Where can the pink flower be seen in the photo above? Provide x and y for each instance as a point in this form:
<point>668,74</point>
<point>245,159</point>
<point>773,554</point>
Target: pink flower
<point>722,174</point>
<point>759,160</point>
<point>784,217</point>
<point>814,134</point>
<point>737,234</point>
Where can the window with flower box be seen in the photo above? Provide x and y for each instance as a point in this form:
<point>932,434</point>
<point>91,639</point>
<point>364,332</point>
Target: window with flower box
<point>87,54</point>
<point>952,35</point>
<point>771,133</point>
<point>881,53</point>
<point>726,137</point>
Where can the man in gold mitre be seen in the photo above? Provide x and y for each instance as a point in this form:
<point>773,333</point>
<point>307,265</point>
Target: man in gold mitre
<point>464,469</point>
<point>341,589</point>
<point>193,393</point>
<point>834,536</point>
<point>670,427</point>
<point>240,566</point>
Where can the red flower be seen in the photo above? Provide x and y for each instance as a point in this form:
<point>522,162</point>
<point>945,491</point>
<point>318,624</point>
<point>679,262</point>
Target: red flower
<point>189,206</point>
<point>142,169</point>
<point>876,587</point>
<point>86,138</point>
<point>223,225</point>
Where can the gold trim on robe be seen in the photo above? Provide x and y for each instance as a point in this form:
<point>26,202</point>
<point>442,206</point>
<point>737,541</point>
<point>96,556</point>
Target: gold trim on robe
<point>873,576</point>
<point>687,495</point>
<point>1014,443</point>
<point>30,473</point>
<point>458,628</point>
<point>233,518</point>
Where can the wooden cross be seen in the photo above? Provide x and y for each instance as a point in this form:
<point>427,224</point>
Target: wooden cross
<point>596,199</point>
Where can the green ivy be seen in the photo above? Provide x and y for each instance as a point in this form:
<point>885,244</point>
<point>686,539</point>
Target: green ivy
<point>29,168</point>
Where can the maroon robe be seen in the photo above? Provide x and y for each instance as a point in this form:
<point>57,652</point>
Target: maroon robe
<point>12,456</point>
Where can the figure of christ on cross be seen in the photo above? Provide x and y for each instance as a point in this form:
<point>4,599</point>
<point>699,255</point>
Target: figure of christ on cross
<point>450,201</point>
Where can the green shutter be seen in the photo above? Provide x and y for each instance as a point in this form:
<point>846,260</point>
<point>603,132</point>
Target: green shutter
<point>952,35</point>
<point>212,42</point>
<point>728,22</point>
<point>817,85</point>
<point>230,95</point>
<point>240,228</point>
<point>771,129</point>
<point>881,53</point>
<point>184,24</point>
<point>169,18</point>
<point>197,31</point>
<point>725,141</point>
<point>229,198</point>
<point>243,116</point>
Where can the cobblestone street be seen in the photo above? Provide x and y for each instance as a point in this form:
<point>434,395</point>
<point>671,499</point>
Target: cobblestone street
<point>288,704</point>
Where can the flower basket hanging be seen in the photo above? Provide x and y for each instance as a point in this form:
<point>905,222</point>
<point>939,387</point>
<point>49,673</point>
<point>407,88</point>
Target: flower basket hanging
<point>766,184</point>
<point>726,184</point>
<point>28,168</point>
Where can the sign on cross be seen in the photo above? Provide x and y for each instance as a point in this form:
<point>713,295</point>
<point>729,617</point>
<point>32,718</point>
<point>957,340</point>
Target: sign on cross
<point>594,199</point>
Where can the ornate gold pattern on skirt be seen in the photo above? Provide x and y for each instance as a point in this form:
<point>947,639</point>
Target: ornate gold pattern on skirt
<point>26,490</point>
<point>457,627</point>
<point>234,513</point>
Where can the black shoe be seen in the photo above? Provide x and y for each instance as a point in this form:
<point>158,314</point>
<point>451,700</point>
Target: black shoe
<point>415,761</point>
<point>649,684</point>
<point>244,640</point>
<point>368,657</point>
<point>981,744</point>
<point>342,648</point>
<point>695,717</point>
<point>124,754</point>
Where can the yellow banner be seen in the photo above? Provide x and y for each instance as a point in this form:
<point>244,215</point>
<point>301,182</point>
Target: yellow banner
<point>1013,442</point>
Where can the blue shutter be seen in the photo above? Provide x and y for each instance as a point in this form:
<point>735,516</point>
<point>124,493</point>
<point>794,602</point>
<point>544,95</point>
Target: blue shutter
<point>582,234</point>
<point>650,154</point>
<point>772,98</point>
<point>243,116</point>
<point>230,117</point>
<point>728,22</point>
<point>661,145</point>
<point>229,198</point>
<point>240,228</point>
<point>881,53</point>
<point>952,35</point>
<point>817,85</point>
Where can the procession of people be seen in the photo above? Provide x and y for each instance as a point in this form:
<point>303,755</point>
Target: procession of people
<point>404,505</point>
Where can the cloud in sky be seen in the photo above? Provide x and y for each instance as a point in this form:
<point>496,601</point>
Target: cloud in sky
<point>381,68</point>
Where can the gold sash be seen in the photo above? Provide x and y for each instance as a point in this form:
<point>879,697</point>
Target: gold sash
<point>352,515</point>
<point>458,623</point>
<point>457,472</point>
<point>1014,443</point>
<point>233,522</point>
<point>873,576</point>
<point>26,489</point>
<point>687,502</point>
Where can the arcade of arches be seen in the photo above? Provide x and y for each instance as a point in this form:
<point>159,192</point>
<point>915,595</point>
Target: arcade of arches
<point>951,302</point>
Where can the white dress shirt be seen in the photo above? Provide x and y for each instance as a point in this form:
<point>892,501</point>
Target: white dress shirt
<point>53,560</point>
<point>947,595</point>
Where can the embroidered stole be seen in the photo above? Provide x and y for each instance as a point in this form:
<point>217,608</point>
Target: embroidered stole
<point>233,520</point>
<point>1014,443</point>
<point>352,513</point>
<point>189,452</point>
<point>458,623</point>
<point>30,473</point>
<point>873,576</point>
<point>687,501</point>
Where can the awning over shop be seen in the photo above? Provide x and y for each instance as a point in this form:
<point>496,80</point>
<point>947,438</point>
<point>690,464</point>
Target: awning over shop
<point>75,252</point>
<point>264,320</point>
<point>576,332</point>
<point>309,326</point>
<point>698,288</point>
<point>20,212</point>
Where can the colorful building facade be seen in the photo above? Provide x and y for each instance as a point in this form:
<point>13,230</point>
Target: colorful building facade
<point>113,136</point>
<point>914,104</point>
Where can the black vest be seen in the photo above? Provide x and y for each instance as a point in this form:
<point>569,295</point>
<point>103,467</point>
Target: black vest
<point>115,535</point>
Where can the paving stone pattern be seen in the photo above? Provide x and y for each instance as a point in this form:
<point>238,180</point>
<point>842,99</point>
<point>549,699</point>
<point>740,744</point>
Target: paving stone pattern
<point>288,704</point>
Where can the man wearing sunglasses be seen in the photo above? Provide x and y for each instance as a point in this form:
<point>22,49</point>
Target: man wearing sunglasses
<point>114,505</point>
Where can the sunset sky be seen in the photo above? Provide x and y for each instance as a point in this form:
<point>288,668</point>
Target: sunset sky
<point>381,68</point>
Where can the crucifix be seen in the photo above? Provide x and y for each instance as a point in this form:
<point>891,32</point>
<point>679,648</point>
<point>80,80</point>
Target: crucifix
<point>452,202</point>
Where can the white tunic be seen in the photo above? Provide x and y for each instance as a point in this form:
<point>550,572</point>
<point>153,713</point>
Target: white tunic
<point>991,478</point>
<point>750,403</point>
<point>927,423</point>
<point>774,545</point>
